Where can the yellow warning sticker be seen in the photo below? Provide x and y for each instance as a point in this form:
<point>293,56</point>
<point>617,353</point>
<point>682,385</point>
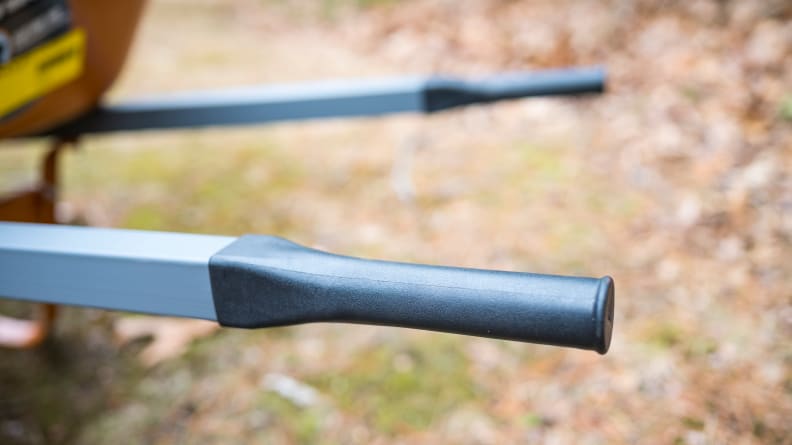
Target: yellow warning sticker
<point>40,71</point>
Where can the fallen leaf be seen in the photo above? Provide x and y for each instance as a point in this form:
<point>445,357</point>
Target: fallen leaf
<point>297,392</point>
<point>170,337</point>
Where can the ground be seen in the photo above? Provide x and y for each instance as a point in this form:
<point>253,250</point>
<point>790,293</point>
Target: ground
<point>676,182</point>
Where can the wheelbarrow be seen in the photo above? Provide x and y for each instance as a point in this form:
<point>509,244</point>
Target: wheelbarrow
<point>59,58</point>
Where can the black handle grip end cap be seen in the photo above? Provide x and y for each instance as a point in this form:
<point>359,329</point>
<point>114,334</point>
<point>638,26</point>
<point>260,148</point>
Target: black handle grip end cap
<point>605,302</point>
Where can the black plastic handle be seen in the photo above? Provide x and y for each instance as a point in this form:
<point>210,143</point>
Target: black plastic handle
<point>443,93</point>
<point>263,281</point>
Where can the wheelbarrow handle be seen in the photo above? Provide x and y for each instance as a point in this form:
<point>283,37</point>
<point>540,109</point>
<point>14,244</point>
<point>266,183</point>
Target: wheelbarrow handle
<point>263,281</point>
<point>259,281</point>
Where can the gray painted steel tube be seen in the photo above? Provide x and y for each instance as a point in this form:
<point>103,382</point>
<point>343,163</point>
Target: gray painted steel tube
<point>336,99</point>
<point>127,270</point>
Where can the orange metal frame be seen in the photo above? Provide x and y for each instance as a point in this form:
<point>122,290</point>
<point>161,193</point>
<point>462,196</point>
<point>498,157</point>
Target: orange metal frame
<point>34,204</point>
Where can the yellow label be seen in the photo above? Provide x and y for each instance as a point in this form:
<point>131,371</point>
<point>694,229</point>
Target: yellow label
<point>40,71</point>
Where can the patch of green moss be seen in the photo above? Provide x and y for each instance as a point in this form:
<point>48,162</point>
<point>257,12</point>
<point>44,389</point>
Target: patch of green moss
<point>693,423</point>
<point>532,420</point>
<point>403,388</point>
<point>302,424</point>
<point>542,163</point>
<point>785,111</point>
<point>664,334</point>
<point>700,347</point>
<point>146,217</point>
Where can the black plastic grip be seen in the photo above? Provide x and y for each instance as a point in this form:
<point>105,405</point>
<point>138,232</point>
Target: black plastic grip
<point>443,93</point>
<point>262,281</point>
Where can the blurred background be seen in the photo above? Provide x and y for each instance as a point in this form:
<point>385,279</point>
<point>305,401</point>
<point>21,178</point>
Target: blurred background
<point>676,182</point>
